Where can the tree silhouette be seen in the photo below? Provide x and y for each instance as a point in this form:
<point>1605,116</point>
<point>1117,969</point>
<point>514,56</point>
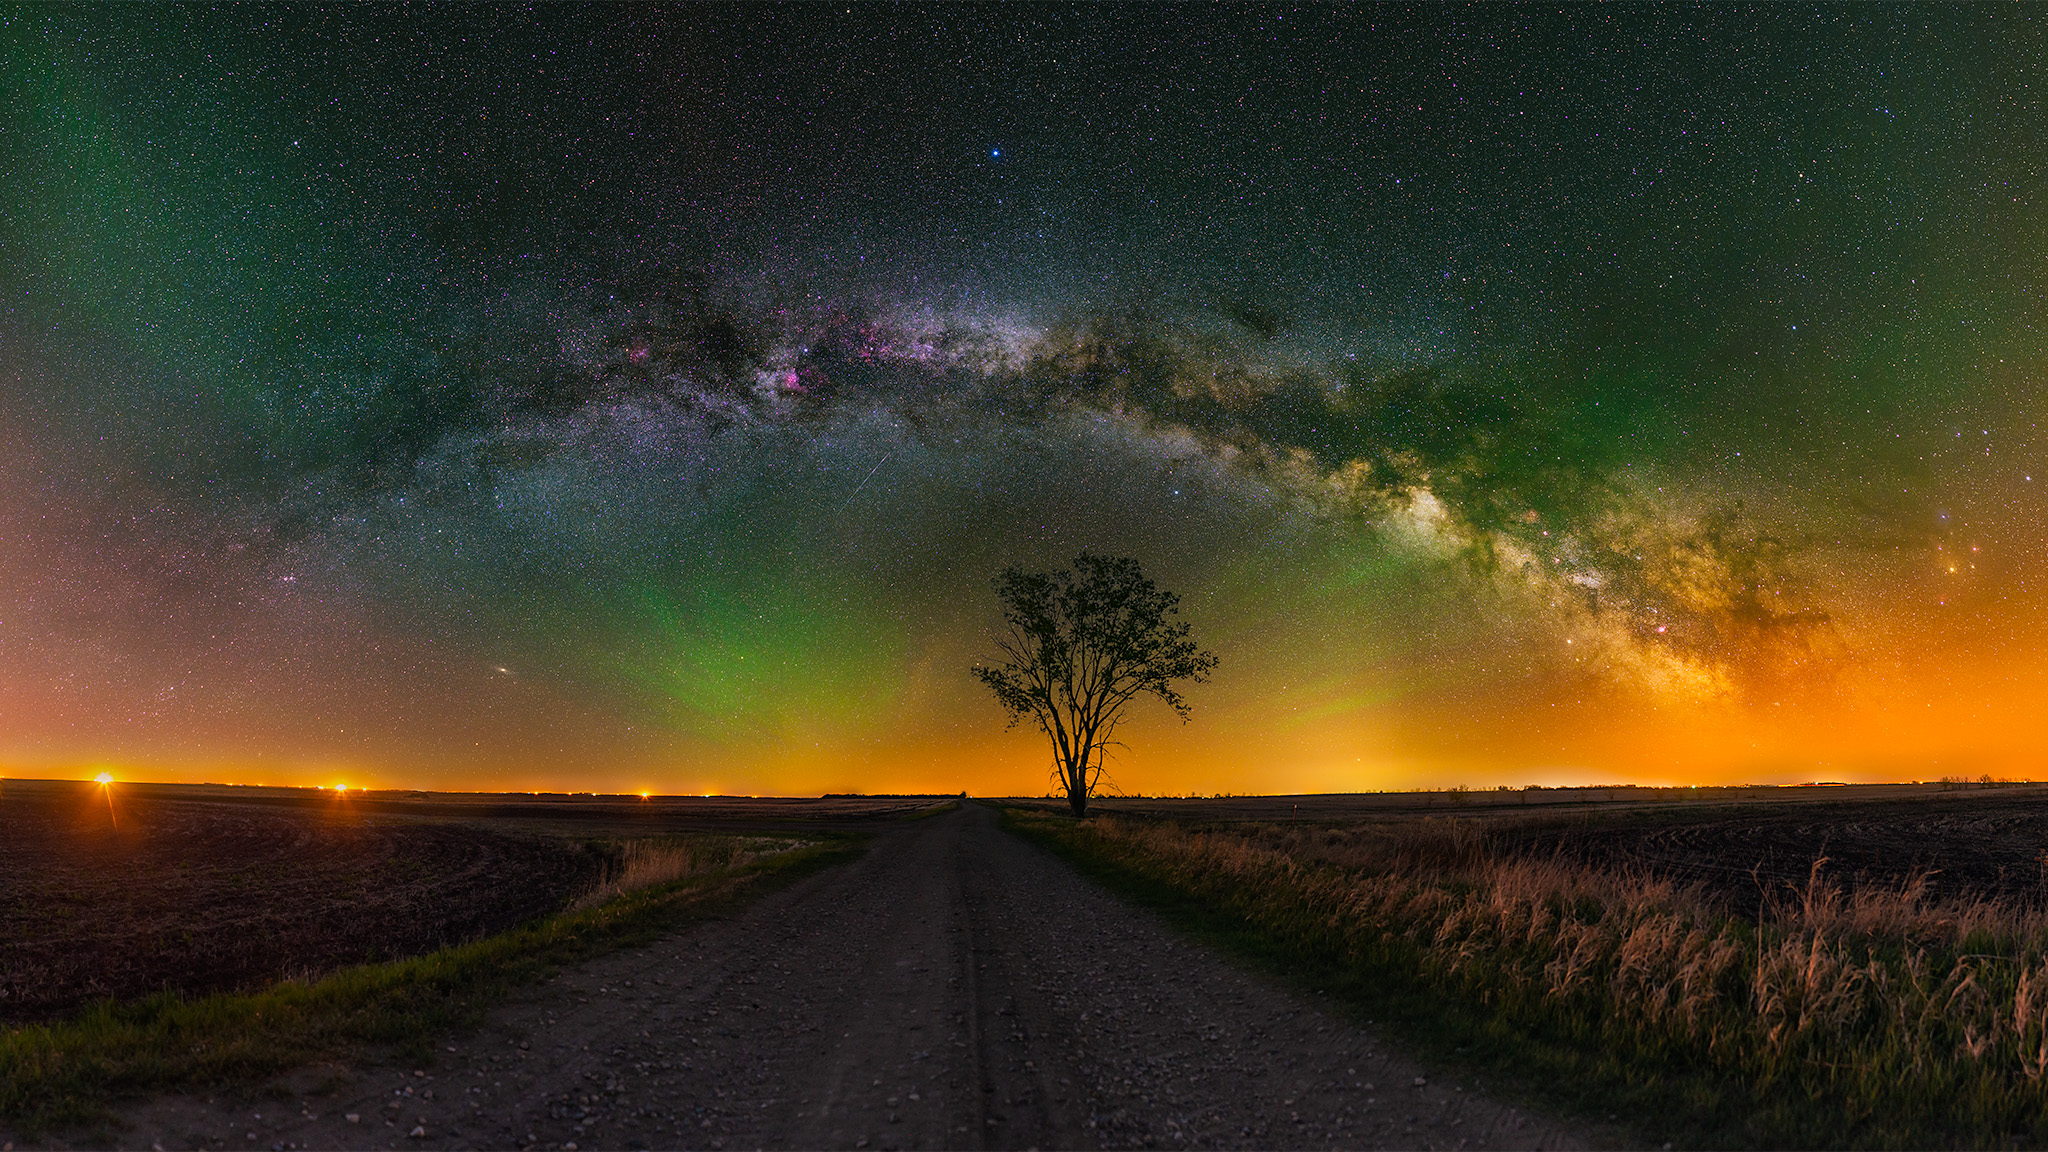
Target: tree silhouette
<point>1081,645</point>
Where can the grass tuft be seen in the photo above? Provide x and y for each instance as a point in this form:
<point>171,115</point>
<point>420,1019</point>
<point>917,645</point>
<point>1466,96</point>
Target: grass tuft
<point>649,862</point>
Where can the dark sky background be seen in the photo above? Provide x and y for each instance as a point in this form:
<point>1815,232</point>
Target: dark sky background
<point>643,398</point>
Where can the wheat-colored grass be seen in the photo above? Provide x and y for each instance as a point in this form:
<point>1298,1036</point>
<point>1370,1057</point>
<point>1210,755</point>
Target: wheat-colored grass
<point>1894,1008</point>
<point>650,863</point>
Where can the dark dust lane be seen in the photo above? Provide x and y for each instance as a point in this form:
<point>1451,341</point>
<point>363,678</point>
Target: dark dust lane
<point>954,988</point>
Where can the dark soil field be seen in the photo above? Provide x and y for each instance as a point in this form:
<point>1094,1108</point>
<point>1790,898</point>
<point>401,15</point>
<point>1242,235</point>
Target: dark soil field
<point>1960,845</point>
<point>1745,845</point>
<point>202,894</point>
<point>133,889</point>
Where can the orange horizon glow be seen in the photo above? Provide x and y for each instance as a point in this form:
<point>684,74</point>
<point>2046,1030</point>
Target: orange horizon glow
<point>1138,785</point>
<point>1908,726</point>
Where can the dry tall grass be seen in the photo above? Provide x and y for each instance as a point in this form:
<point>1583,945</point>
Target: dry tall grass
<point>1872,1017</point>
<point>649,863</point>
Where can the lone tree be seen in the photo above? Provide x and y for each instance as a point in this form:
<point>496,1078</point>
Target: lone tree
<point>1080,645</point>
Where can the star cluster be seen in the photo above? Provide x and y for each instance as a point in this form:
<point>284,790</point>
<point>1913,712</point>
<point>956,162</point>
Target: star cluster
<point>632,398</point>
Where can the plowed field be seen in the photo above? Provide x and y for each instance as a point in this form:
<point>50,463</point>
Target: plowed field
<point>202,895</point>
<point>1744,845</point>
<point>1967,845</point>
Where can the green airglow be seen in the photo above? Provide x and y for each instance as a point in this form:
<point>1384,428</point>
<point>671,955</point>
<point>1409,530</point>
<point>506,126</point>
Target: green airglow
<point>774,659</point>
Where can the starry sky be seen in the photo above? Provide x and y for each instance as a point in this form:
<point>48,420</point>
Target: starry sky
<point>634,398</point>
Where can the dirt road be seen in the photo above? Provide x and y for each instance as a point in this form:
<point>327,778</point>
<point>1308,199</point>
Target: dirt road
<point>954,988</point>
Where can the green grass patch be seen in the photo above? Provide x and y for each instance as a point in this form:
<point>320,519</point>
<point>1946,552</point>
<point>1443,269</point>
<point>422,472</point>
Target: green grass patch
<point>1880,1021</point>
<point>69,1073</point>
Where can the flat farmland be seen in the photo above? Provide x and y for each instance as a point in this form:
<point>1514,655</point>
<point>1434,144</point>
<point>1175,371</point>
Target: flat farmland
<point>1740,846</point>
<point>126,891</point>
<point>1949,847</point>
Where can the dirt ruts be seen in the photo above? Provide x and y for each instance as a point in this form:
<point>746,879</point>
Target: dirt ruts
<point>956,987</point>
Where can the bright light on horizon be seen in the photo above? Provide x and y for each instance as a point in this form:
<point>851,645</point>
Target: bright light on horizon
<point>105,778</point>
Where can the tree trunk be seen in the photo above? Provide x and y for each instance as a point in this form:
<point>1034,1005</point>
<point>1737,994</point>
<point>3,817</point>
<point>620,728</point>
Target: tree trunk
<point>1073,772</point>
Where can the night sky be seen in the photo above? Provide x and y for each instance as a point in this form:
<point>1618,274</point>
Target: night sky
<point>623,398</point>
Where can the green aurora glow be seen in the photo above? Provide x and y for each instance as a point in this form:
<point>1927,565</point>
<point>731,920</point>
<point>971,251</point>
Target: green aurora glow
<point>1645,394</point>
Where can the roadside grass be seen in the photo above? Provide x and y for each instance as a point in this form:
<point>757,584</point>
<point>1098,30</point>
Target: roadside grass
<point>650,861</point>
<point>68,1073</point>
<point>1876,1019</point>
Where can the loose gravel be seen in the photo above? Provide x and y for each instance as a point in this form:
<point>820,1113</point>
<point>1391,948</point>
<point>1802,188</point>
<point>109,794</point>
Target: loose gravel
<point>956,987</point>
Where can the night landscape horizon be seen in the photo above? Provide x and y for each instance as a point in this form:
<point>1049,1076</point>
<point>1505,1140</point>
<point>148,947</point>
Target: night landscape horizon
<point>974,576</point>
<point>632,399</point>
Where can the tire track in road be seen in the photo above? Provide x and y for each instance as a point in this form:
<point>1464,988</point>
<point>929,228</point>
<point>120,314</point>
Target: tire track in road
<point>955,987</point>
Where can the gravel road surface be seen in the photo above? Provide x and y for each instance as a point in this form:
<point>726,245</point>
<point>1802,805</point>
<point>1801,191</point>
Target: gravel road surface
<point>956,987</point>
